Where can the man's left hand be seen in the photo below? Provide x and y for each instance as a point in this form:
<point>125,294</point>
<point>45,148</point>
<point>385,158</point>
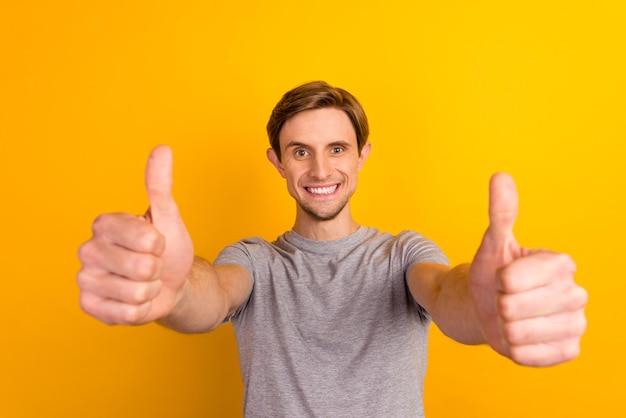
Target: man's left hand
<point>529,306</point>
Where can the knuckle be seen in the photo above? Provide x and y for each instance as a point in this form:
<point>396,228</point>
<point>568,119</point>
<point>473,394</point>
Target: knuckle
<point>513,333</point>
<point>505,308</point>
<point>130,316</point>
<point>583,295</point>
<point>142,293</point>
<point>133,315</point>
<point>145,267</point>
<point>87,305</point>
<point>150,240</point>
<point>573,327</point>
<point>506,279</point>
<point>100,222</point>
<point>83,280</point>
<point>84,304</point>
<point>581,325</point>
<point>139,295</point>
<point>578,299</point>
<point>518,355</point>
<point>567,262</point>
<point>86,252</point>
<point>570,351</point>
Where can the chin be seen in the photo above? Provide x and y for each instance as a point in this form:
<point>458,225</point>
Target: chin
<point>325,216</point>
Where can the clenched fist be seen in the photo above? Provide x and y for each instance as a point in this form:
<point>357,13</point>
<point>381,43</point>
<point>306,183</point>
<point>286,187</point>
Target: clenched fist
<point>530,308</point>
<point>134,267</point>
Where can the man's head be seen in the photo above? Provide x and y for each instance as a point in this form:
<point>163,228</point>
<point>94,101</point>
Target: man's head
<point>319,143</point>
<point>316,95</point>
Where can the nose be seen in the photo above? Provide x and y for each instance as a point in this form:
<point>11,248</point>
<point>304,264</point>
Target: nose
<point>320,167</point>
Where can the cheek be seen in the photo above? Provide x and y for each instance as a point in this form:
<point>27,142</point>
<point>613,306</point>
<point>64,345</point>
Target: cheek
<point>351,170</point>
<point>292,180</point>
<point>293,174</point>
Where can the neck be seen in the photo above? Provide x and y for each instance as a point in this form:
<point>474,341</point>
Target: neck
<point>336,228</point>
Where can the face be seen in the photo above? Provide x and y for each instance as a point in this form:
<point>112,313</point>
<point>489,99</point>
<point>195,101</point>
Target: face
<point>320,161</point>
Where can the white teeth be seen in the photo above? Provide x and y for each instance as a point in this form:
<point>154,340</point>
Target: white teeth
<point>322,190</point>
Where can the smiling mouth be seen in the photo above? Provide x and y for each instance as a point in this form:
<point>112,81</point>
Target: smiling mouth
<point>322,190</point>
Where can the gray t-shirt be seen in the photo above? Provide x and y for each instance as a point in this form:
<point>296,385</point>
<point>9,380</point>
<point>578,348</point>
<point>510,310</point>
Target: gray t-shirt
<point>330,328</point>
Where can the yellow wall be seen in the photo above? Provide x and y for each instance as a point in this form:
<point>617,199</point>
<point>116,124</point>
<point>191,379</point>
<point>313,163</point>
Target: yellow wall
<point>454,90</point>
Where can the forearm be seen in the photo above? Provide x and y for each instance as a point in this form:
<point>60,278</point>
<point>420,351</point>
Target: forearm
<point>201,306</point>
<point>444,293</point>
<point>454,311</point>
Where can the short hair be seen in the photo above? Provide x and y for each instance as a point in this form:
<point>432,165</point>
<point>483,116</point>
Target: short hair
<point>316,95</point>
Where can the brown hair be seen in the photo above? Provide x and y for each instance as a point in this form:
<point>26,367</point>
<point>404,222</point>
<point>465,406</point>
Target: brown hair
<point>316,95</point>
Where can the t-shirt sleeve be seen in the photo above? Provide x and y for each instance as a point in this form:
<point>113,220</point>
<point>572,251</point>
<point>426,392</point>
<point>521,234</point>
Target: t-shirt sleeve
<point>239,254</point>
<point>419,249</point>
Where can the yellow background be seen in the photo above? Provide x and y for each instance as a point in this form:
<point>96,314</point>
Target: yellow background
<point>454,90</point>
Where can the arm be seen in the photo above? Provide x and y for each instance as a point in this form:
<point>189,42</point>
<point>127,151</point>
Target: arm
<point>210,295</point>
<point>443,292</point>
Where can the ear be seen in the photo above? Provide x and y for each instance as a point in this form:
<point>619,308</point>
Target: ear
<point>365,152</point>
<point>271,155</point>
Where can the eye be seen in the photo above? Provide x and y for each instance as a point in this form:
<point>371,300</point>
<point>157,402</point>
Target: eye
<point>301,153</point>
<point>336,150</point>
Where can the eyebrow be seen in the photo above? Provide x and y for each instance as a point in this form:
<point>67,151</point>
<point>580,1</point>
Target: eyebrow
<point>296,144</point>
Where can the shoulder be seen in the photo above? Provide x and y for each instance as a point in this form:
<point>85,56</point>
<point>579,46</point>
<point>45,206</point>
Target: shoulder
<point>244,248</point>
<point>414,247</point>
<point>401,239</point>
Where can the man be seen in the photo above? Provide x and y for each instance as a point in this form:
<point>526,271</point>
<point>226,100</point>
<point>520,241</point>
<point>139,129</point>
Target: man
<point>332,318</point>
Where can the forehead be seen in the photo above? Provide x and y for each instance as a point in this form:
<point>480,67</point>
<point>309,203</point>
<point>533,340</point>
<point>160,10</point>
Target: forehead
<point>316,126</point>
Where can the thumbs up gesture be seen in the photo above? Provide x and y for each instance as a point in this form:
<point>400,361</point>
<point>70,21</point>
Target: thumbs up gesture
<point>134,267</point>
<point>529,306</point>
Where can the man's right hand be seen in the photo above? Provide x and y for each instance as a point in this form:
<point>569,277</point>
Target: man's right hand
<point>134,268</point>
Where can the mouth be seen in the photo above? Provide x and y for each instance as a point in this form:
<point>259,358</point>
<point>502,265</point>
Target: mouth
<point>321,191</point>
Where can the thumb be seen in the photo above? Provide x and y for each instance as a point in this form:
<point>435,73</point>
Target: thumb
<point>159,182</point>
<point>503,203</point>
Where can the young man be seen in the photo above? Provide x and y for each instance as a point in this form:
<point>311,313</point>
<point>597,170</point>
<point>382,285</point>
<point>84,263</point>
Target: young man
<point>332,318</point>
